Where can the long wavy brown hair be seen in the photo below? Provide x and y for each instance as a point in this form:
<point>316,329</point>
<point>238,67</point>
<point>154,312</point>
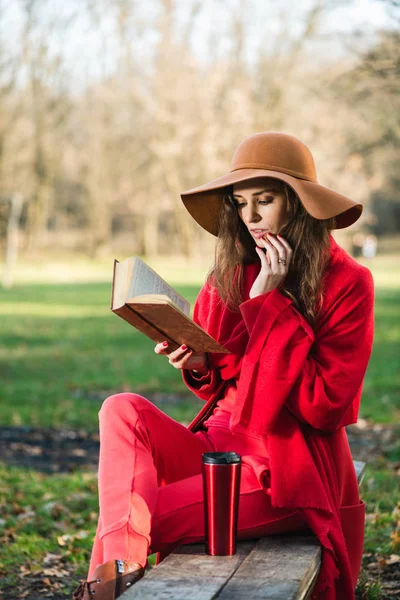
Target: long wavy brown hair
<point>308,237</point>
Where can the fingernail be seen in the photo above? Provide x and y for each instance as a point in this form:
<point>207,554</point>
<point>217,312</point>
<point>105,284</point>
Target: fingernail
<point>165,344</point>
<point>184,347</point>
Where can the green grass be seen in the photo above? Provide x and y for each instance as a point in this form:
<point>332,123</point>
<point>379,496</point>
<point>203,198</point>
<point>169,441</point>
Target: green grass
<point>380,491</point>
<point>62,346</point>
<point>63,352</point>
<point>44,514</point>
<point>381,393</point>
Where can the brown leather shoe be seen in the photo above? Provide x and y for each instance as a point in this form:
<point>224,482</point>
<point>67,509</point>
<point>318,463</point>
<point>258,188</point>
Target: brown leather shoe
<point>109,581</point>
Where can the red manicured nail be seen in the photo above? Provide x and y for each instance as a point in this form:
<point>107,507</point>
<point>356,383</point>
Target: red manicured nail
<point>184,347</point>
<point>165,344</point>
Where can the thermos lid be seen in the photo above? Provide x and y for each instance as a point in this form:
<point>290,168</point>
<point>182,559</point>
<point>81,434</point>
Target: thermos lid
<point>221,458</point>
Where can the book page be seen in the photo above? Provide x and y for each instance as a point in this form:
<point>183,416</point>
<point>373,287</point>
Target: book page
<point>146,281</point>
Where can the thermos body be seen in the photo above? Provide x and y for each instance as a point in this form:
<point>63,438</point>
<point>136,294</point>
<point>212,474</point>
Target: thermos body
<point>221,484</point>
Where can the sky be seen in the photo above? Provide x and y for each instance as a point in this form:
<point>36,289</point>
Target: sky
<point>90,50</point>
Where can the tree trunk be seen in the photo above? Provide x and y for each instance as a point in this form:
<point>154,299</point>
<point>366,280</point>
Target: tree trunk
<point>12,240</point>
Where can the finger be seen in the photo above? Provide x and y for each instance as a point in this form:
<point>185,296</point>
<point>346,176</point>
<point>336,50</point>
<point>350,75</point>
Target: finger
<point>177,354</point>
<point>277,244</point>
<point>161,348</point>
<point>289,250</point>
<point>281,260</point>
<point>265,248</point>
<point>263,258</point>
<point>274,256</point>
<point>181,364</point>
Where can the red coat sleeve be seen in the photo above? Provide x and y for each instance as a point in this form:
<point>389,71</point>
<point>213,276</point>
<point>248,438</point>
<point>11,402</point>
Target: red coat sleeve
<point>330,383</point>
<point>205,386</point>
<point>317,376</point>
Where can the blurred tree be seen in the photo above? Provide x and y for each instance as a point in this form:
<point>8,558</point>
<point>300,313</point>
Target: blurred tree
<point>372,85</point>
<point>105,156</point>
<point>12,238</point>
<point>46,109</point>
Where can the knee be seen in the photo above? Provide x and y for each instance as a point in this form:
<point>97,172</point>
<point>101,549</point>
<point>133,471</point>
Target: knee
<point>121,405</point>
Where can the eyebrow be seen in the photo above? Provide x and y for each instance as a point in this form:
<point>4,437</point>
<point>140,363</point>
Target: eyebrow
<point>269,189</point>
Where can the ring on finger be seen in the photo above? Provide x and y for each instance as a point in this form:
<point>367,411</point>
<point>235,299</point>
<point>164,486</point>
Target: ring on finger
<point>282,261</point>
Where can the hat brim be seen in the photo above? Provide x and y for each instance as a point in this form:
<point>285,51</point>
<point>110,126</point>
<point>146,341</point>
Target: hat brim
<point>204,202</point>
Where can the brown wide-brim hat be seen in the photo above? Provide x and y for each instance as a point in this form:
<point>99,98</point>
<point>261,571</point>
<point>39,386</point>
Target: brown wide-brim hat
<point>279,155</point>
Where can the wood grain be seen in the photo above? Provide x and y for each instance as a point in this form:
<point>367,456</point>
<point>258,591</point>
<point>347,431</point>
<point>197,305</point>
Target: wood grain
<point>278,567</point>
<point>189,573</point>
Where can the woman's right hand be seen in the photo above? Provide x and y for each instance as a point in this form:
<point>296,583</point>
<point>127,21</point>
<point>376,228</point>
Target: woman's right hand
<point>184,358</point>
<point>274,265</point>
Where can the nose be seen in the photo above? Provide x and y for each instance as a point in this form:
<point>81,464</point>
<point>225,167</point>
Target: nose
<point>250,214</point>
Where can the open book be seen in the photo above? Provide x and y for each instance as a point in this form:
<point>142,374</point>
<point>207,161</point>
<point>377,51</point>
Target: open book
<point>146,301</point>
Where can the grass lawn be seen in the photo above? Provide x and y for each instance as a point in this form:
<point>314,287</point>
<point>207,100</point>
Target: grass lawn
<point>63,352</point>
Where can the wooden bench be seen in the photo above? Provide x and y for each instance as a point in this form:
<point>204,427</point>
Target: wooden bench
<point>293,565</point>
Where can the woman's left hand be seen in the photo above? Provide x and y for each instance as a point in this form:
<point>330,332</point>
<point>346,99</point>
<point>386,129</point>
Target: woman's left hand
<point>274,264</point>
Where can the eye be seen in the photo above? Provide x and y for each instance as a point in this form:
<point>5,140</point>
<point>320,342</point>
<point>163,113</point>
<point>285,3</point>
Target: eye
<point>265,200</point>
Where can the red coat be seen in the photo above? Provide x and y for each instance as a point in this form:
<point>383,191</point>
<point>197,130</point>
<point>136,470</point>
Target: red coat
<point>298,388</point>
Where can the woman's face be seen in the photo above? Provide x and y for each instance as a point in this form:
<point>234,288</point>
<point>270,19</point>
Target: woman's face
<point>262,205</point>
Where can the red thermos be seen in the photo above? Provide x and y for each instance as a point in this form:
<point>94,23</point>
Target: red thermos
<point>221,485</point>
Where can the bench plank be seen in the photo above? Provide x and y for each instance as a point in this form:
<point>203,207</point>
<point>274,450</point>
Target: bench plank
<point>278,568</point>
<point>189,573</point>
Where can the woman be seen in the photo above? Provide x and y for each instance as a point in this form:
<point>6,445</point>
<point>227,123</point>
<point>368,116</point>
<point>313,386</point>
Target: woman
<point>296,312</point>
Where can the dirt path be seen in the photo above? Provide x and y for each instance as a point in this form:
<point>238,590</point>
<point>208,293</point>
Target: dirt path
<point>65,450</point>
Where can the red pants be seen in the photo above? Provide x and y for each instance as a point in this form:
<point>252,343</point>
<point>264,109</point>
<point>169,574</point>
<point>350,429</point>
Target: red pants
<point>150,483</point>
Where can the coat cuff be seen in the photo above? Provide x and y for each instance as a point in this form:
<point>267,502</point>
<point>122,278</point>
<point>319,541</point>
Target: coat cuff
<point>201,386</point>
<point>206,378</point>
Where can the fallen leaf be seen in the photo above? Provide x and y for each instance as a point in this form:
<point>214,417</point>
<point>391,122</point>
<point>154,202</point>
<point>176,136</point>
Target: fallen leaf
<point>78,452</point>
<point>394,558</point>
<point>371,518</point>
<point>382,561</point>
<point>395,537</point>
<point>53,572</point>
<point>50,557</point>
<point>27,514</point>
<point>17,509</point>
<point>81,535</point>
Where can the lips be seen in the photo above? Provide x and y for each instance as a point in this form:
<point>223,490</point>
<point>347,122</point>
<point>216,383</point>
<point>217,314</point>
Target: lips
<point>258,233</point>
